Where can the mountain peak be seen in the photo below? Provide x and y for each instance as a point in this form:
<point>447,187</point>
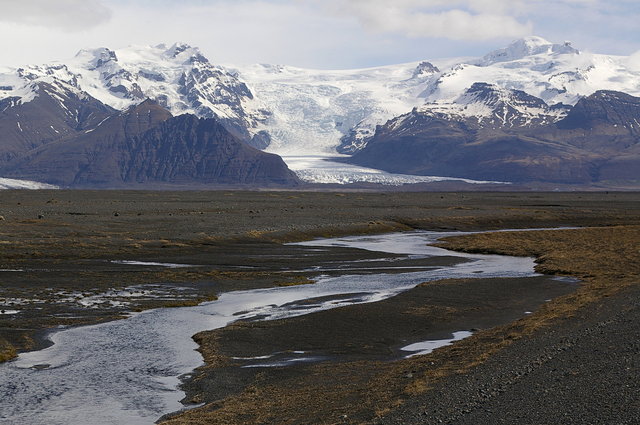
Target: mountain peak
<point>527,46</point>
<point>425,69</point>
<point>97,57</point>
<point>491,94</point>
<point>185,53</point>
<point>141,117</point>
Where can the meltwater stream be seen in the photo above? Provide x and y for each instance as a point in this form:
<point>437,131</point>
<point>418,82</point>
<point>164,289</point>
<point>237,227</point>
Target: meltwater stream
<point>127,371</point>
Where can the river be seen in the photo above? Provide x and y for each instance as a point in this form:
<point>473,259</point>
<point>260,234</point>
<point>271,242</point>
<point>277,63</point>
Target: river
<point>128,371</point>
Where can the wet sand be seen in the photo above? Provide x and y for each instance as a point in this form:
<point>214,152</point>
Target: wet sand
<point>65,240</point>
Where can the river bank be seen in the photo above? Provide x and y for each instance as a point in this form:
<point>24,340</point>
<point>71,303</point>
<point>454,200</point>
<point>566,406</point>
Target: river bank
<point>133,365</point>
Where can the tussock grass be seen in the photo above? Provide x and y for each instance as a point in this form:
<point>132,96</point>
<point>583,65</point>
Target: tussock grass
<point>7,351</point>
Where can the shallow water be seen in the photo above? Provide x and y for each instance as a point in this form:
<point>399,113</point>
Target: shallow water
<point>127,371</point>
<point>426,347</point>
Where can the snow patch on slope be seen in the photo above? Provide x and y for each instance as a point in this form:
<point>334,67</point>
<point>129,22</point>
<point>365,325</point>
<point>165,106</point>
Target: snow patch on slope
<point>24,184</point>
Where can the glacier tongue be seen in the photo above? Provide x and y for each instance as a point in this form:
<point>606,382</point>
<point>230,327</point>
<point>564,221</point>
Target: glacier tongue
<point>326,170</point>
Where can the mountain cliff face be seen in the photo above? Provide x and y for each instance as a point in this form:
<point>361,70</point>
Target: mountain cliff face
<point>597,140</point>
<point>52,112</point>
<point>145,144</point>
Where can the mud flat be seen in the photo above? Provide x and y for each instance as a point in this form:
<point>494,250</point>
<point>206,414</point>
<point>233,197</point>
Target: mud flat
<point>58,245</point>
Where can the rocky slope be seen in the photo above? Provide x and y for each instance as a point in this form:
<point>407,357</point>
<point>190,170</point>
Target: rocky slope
<point>147,145</point>
<point>52,111</point>
<point>517,139</point>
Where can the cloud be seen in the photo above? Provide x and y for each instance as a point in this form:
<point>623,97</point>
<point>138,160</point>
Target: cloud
<point>67,15</point>
<point>450,19</point>
<point>634,61</point>
<point>312,33</point>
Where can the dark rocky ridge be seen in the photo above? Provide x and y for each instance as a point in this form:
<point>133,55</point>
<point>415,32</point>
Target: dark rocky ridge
<point>145,144</point>
<point>56,112</point>
<point>425,69</point>
<point>596,141</point>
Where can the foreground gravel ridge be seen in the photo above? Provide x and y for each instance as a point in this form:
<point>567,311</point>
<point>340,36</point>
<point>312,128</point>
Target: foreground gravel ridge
<point>583,371</point>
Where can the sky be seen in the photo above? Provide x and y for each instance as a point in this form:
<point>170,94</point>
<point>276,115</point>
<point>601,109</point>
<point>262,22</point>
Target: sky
<point>322,34</point>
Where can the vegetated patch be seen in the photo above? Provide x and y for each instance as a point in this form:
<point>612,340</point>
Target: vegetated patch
<point>7,351</point>
<point>294,281</point>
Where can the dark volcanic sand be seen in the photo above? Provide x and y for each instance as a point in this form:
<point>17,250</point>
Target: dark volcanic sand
<point>585,370</point>
<point>64,240</point>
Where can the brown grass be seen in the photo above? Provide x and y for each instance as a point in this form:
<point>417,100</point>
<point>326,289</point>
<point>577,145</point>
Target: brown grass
<point>7,351</point>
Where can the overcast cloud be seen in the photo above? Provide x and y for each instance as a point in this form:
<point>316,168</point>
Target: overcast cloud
<point>453,19</point>
<point>68,15</point>
<point>312,33</point>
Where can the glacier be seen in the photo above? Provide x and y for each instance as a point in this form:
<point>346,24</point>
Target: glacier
<point>320,169</point>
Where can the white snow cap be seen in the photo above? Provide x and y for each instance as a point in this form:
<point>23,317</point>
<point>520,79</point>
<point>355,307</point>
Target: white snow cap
<point>96,58</point>
<point>528,46</point>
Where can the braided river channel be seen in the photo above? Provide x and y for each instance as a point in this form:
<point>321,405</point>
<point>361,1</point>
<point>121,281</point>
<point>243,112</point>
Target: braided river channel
<point>129,371</point>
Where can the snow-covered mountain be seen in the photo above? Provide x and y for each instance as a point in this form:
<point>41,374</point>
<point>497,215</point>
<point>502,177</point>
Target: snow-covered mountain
<point>295,111</point>
<point>489,105</point>
<point>556,73</point>
<point>178,77</point>
<point>315,112</point>
<point>301,112</point>
<point>516,139</point>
